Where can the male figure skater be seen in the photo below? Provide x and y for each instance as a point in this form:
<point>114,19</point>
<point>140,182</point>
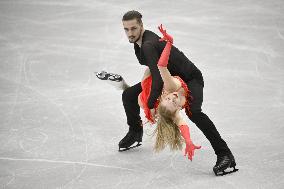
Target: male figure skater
<point>148,49</point>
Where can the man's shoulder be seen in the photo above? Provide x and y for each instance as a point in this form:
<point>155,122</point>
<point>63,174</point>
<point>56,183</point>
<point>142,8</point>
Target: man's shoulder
<point>150,37</point>
<point>150,40</point>
<point>150,33</point>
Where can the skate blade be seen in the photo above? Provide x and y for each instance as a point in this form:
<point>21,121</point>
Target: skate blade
<point>103,75</point>
<point>126,149</point>
<point>222,173</point>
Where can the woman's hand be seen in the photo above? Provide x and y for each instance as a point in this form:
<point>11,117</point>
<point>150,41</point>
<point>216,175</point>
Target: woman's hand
<point>166,37</point>
<point>189,150</point>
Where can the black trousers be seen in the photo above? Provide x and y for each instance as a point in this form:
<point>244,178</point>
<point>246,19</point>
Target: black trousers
<point>202,121</point>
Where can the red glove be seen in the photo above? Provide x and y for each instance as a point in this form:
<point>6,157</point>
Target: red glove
<point>164,59</point>
<point>190,147</point>
<point>166,37</point>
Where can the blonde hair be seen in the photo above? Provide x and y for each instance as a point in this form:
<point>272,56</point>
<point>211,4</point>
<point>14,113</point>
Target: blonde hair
<point>167,131</point>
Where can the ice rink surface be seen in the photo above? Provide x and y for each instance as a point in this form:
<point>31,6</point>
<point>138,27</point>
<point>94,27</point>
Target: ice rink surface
<point>60,126</point>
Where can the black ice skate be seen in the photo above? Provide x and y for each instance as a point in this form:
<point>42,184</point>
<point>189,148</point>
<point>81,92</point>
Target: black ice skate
<point>223,163</point>
<point>131,137</point>
<point>113,79</point>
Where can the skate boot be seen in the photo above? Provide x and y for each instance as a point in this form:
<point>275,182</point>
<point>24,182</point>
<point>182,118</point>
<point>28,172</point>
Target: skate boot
<point>115,80</point>
<point>131,137</point>
<point>224,162</point>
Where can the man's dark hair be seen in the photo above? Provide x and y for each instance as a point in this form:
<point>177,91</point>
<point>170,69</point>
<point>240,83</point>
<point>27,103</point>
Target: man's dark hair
<point>133,14</point>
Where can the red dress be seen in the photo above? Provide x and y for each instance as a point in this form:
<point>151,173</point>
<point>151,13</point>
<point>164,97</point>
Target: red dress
<point>146,90</point>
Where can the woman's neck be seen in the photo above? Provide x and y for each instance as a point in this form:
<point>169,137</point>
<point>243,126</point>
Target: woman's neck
<point>182,97</point>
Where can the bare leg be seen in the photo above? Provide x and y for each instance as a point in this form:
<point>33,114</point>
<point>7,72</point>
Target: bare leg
<point>139,102</point>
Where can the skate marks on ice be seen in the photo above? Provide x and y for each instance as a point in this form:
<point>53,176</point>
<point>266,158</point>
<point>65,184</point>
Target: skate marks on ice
<point>66,162</point>
<point>53,131</point>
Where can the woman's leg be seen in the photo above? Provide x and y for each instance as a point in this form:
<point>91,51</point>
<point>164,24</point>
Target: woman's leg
<point>139,102</point>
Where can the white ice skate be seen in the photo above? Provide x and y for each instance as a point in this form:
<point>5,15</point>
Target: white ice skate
<point>113,79</point>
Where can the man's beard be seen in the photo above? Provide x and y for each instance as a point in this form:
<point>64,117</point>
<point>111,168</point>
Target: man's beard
<point>137,38</point>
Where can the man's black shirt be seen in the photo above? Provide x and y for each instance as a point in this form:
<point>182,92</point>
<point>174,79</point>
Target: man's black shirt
<point>179,64</point>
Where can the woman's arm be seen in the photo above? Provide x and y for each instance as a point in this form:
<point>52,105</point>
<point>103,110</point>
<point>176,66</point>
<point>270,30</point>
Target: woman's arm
<point>185,133</point>
<point>178,119</point>
<point>171,84</point>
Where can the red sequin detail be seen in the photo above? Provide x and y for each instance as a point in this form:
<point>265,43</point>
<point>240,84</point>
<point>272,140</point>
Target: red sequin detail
<point>144,96</point>
<point>187,95</point>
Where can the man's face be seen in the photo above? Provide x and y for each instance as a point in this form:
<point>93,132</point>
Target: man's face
<point>132,30</point>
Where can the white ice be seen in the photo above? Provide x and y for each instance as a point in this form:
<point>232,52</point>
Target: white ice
<point>60,126</point>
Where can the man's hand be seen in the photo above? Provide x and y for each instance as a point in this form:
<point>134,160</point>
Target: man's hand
<point>166,37</point>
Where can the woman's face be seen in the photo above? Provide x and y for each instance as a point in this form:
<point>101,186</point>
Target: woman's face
<point>171,101</point>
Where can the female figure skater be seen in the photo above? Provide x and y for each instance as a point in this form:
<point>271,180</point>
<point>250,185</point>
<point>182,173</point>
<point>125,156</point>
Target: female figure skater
<point>175,97</point>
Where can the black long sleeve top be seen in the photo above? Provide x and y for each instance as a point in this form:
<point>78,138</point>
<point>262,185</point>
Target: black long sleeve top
<point>179,64</point>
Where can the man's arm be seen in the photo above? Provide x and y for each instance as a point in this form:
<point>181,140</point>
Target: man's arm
<point>151,57</point>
